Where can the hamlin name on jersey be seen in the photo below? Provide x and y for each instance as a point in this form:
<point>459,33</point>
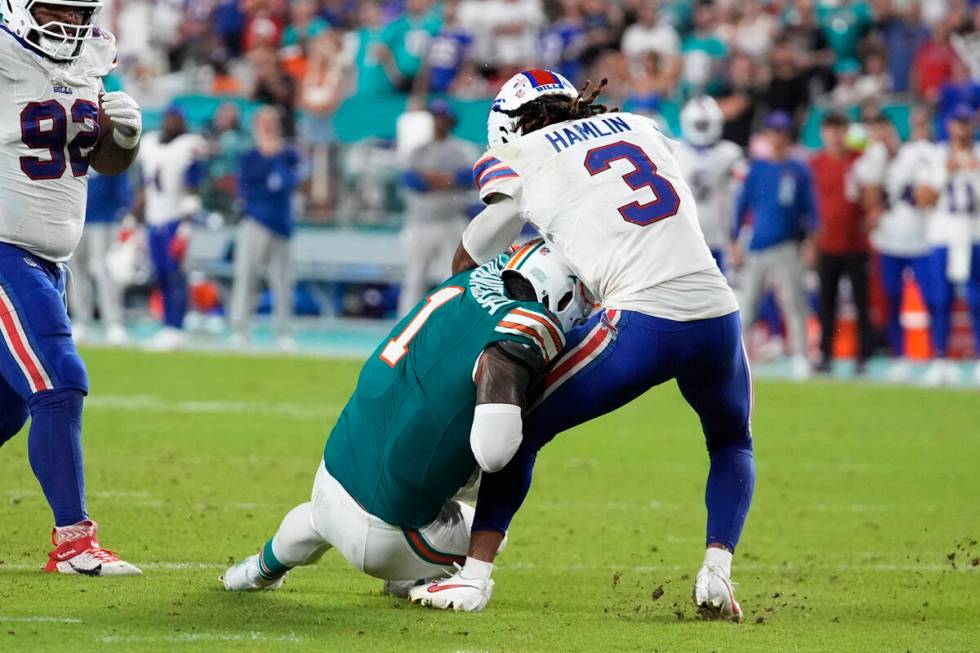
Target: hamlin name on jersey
<point>607,192</point>
<point>48,127</point>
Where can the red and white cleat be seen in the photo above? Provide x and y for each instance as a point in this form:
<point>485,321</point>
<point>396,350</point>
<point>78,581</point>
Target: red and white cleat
<point>78,552</point>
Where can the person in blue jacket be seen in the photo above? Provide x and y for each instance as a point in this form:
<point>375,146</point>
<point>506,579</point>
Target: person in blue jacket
<point>268,176</point>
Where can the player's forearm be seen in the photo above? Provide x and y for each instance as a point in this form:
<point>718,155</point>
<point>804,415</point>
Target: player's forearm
<point>489,234</point>
<point>112,159</point>
<point>462,261</point>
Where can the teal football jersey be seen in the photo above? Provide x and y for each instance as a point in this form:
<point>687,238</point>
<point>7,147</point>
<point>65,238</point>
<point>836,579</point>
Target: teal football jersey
<point>401,446</point>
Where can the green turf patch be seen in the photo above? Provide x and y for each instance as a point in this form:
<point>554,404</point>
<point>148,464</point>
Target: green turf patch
<point>863,535</point>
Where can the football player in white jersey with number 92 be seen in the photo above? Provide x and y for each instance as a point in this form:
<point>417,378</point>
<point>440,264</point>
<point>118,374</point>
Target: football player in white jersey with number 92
<point>52,61</point>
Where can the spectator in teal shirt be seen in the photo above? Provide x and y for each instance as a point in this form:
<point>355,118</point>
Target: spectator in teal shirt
<point>304,24</point>
<point>844,23</point>
<point>704,53</point>
<point>408,36</point>
<point>374,63</point>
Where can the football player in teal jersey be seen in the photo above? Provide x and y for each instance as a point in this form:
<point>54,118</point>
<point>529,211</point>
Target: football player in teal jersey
<point>440,399</point>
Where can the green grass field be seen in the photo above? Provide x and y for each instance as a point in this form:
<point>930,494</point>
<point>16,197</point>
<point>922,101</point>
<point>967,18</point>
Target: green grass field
<point>863,534</point>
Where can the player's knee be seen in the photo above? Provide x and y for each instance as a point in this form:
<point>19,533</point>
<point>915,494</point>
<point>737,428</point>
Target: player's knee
<point>67,402</point>
<point>12,420</point>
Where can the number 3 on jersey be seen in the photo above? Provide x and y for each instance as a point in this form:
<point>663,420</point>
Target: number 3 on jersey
<point>397,347</point>
<point>666,202</point>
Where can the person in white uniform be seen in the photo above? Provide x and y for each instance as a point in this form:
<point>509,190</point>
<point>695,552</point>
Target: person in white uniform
<point>52,63</point>
<point>951,187</point>
<point>606,192</point>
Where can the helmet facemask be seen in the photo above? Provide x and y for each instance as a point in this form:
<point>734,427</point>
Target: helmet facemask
<point>58,40</point>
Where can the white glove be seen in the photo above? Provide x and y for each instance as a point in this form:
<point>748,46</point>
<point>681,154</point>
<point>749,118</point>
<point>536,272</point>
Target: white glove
<point>127,120</point>
<point>468,590</point>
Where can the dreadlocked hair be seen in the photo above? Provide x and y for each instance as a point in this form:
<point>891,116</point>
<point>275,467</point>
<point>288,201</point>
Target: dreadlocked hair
<point>550,109</point>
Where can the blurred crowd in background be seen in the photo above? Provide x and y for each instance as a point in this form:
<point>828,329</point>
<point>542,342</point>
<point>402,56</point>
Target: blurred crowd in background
<point>384,103</point>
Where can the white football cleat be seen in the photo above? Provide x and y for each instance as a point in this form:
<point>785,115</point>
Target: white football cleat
<point>287,344</point>
<point>976,373</point>
<point>936,374</point>
<point>245,576</point>
<point>116,335</point>
<point>78,552</point>
<point>952,374</point>
<point>167,339</point>
<point>714,591</point>
<point>900,371</point>
<point>238,341</point>
<point>800,369</point>
<point>458,592</point>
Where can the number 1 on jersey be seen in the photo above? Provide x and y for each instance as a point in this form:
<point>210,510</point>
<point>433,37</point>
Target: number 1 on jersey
<point>397,347</point>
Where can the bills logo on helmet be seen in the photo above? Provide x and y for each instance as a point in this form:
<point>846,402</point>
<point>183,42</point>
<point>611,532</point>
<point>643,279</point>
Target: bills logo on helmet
<point>544,80</point>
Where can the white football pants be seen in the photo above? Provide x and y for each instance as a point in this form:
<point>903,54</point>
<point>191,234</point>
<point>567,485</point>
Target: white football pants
<point>334,519</point>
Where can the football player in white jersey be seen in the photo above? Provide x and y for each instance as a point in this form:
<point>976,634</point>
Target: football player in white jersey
<point>713,168</point>
<point>606,191</point>
<point>172,168</point>
<point>887,175</point>
<point>951,186</point>
<point>52,61</point>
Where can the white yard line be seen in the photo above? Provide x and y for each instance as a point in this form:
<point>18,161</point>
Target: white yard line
<point>204,636</point>
<point>36,619</point>
<point>152,403</point>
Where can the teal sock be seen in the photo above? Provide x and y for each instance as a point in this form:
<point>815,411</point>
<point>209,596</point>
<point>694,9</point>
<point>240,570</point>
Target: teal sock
<point>269,566</point>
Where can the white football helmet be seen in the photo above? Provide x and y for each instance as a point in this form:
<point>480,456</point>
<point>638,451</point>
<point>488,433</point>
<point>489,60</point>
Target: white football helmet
<point>518,91</point>
<point>56,40</point>
<point>702,121</point>
<point>554,283</point>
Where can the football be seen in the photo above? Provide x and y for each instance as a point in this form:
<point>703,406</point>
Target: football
<point>111,160</point>
<point>105,125</point>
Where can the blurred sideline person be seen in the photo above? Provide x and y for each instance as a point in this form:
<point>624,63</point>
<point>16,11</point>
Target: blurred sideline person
<point>713,167</point>
<point>952,186</point>
<point>110,197</point>
<point>842,240</point>
<point>172,169</point>
<point>457,369</point>
<point>438,180</point>
<point>268,175</point>
<point>778,192</point>
<point>887,179</point>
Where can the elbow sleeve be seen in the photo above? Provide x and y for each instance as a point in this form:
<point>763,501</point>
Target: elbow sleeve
<point>496,434</point>
<point>493,231</point>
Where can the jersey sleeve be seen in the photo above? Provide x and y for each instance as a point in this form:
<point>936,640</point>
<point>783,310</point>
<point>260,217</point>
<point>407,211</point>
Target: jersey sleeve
<point>492,176</point>
<point>101,53</point>
<point>534,327</point>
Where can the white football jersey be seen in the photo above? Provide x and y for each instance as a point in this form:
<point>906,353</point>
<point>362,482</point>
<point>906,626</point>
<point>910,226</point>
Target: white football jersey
<point>713,174</point>
<point>48,127</point>
<point>956,216</point>
<point>608,194</point>
<point>902,228</point>
<point>164,167</point>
